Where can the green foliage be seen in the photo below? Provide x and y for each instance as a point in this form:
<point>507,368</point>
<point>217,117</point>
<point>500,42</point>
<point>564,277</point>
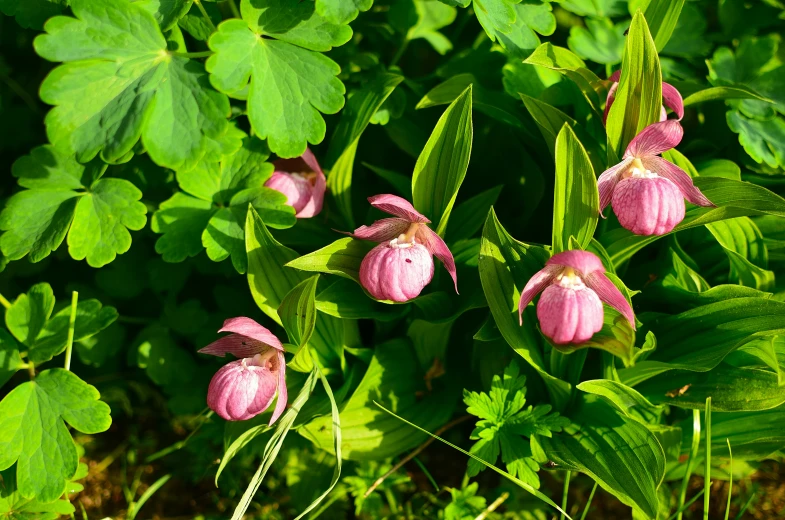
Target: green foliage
<point>210,212</point>
<point>35,436</point>
<point>160,95</point>
<point>63,198</point>
<point>288,55</point>
<point>504,424</point>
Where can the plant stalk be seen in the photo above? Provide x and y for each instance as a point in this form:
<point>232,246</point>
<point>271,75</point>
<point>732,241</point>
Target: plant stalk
<point>71,326</point>
<point>205,15</point>
<point>564,492</point>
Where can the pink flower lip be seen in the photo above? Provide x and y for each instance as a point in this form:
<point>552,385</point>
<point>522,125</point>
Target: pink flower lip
<point>302,181</point>
<point>397,269</point>
<point>574,286</point>
<point>246,387</point>
<point>651,207</point>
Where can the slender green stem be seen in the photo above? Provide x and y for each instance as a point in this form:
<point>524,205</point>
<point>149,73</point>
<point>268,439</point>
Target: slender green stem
<point>69,346</point>
<point>744,508</point>
<point>685,506</point>
<point>235,11</point>
<point>730,484</point>
<point>588,502</point>
<point>696,435</point>
<point>427,474</point>
<point>20,91</point>
<point>31,369</point>
<point>5,303</point>
<point>202,54</point>
<point>401,50</point>
<point>707,469</point>
<point>564,492</point>
<point>204,14</point>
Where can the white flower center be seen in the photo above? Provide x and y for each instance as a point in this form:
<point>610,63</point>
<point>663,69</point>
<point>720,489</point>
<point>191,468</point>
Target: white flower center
<point>402,243</point>
<point>643,174</point>
<point>569,279</point>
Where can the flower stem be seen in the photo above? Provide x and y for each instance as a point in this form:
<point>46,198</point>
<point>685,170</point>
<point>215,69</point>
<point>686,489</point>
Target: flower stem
<point>202,54</point>
<point>71,326</point>
<point>564,494</point>
<point>31,369</point>
<point>5,303</point>
<point>204,13</point>
<point>235,11</point>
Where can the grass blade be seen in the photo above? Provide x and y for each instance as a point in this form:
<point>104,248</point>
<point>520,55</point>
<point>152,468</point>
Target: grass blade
<point>336,441</point>
<point>744,509</point>
<point>564,493</point>
<point>696,438</point>
<point>137,506</point>
<point>685,506</point>
<point>588,502</point>
<point>503,473</point>
<point>730,484</point>
<point>274,445</point>
<point>707,470</point>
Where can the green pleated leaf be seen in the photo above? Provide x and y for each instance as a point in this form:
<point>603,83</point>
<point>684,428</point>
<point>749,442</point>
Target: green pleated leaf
<point>733,199</point>
<point>731,389</point>
<point>618,452</point>
<point>549,120</point>
<point>506,264</point>
<point>346,299</point>
<point>743,242</point>
<point>493,104</point>
<point>662,16</point>
<point>354,119</point>
<point>699,339</point>
<point>753,435</point>
<point>268,279</point>
<point>298,311</point>
<point>718,93</point>
<point>576,201</point>
<point>627,400</point>
<point>442,164</point>
<point>571,66</point>
<point>393,376</point>
<point>469,216</point>
<point>343,257</point>
<point>639,96</point>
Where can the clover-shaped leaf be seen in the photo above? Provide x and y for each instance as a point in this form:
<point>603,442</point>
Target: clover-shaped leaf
<point>119,83</point>
<point>341,11</point>
<point>165,12</point>
<point>600,41</point>
<point>35,436</point>
<point>65,197</point>
<point>274,51</point>
<point>210,212</point>
<point>44,336</point>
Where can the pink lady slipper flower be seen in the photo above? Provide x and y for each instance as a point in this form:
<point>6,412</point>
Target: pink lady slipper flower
<point>573,286</point>
<point>245,388</point>
<point>302,181</point>
<point>671,98</point>
<point>647,192</point>
<point>402,264</point>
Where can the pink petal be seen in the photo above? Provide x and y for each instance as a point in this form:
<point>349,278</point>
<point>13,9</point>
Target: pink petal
<point>615,76</point>
<point>541,279</point>
<point>314,205</point>
<point>607,182</point>
<point>241,390</point>
<point>610,294</point>
<point>609,101</point>
<point>283,394</point>
<point>382,230</point>
<point>655,139</point>
<point>299,192</point>
<point>569,316</point>
<point>249,339</point>
<point>306,163</point>
<point>397,273</point>
<point>310,159</point>
<point>439,249</point>
<point>395,205</point>
<point>672,99</point>
<point>648,206</point>
<point>680,178</point>
<point>582,261</point>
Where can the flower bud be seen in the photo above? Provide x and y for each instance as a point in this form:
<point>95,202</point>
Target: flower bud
<point>397,270</point>
<point>302,181</point>
<point>569,312</point>
<point>647,204</point>
<point>244,388</point>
